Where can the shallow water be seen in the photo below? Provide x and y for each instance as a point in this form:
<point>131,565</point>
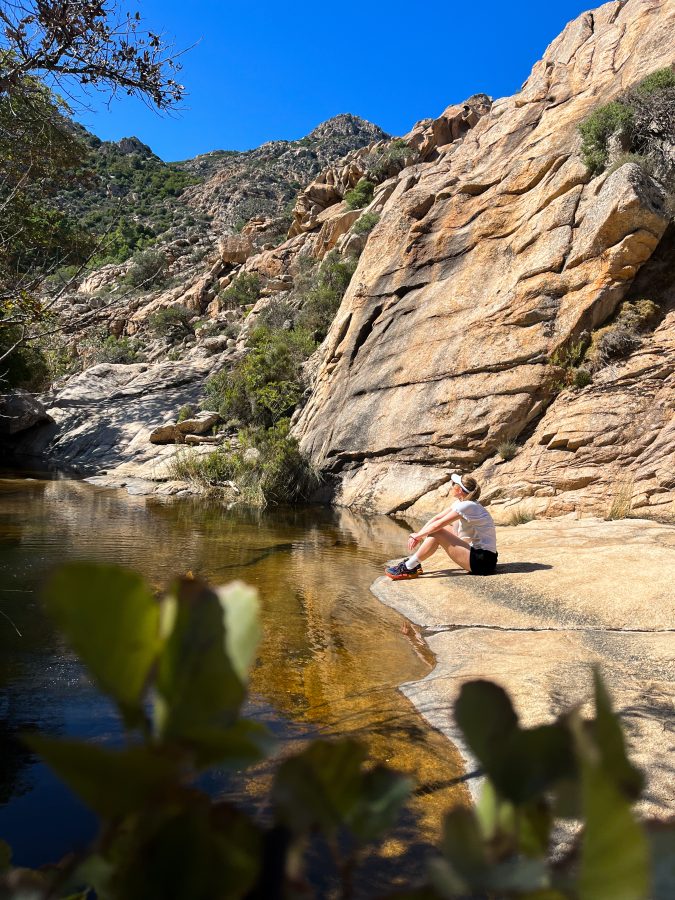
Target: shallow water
<point>330,662</point>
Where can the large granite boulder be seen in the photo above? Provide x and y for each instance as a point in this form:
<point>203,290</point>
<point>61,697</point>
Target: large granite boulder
<point>490,259</point>
<point>104,418</point>
<point>20,411</point>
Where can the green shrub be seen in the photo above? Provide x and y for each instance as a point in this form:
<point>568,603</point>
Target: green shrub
<point>243,291</point>
<point>365,223</point>
<point>99,347</point>
<point>660,80</point>
<point>171,321</point>
<point>187,411</point>
<point>644,117</point>
<point>582,378</point>
<point>277,473</point>
<point>149,269</point>
<point>116,350</point>
<point>598,128</point>
<point>266,385</point>
<point>569,355</point>
<point>388,160</point>
<point>361,195</point>
<point>25,367</point>
<point>322,293</point>
<point>565,361</point>
<point>281,474</point>
<point>277,314</point>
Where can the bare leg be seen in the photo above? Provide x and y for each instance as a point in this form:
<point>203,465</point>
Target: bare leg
<point>457,549</point>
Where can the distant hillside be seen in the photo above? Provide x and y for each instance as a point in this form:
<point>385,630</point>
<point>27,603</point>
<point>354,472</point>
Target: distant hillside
<point>263,183</point>
<point>135,198</point>
<point>132,195</point>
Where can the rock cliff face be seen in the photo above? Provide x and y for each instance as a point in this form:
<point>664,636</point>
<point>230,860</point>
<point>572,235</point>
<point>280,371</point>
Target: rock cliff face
<point>493,255</point>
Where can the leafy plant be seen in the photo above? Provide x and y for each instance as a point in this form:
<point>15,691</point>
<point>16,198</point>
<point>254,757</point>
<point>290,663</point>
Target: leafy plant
<point>582,378</point>
<point>644,119</point>
<point>276,473</point>
<point>388,160</point>
<point>365,223</point>
<point>111,349</point>
<point>360,195</point>
<point>321,292</point>
<point>564,362</point>
<point>660,80</point>
<point>244,291</point>
<point>266,384</point>
<point>598,128</point>
<point>24,365</point>
<point>187,411</point>
<point>176,667</point>
<point>171,321</point>
<point>149,269</point>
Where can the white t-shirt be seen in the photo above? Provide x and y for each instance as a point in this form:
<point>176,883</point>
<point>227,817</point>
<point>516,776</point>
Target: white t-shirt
<point>475,525</point>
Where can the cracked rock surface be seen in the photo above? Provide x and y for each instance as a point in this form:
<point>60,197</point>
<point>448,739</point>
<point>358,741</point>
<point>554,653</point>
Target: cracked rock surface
<point>101,421</point>
<point>568,595</point>
<point>489,258</point>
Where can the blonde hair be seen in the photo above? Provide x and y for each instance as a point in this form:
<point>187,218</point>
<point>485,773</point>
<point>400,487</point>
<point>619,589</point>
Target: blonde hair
<point>473,486</point>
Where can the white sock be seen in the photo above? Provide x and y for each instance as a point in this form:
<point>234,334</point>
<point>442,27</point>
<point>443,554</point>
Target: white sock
<point>411,562</point>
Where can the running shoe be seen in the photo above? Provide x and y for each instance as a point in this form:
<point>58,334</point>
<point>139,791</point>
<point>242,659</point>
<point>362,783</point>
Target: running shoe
<point>399,572</point>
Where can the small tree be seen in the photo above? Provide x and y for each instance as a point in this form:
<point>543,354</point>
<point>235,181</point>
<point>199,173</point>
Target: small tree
<point>148,268</point>
<point>95,45</point>
<point>91,41</point>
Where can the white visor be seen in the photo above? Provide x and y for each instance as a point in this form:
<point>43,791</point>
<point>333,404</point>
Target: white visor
<point>458,480</point>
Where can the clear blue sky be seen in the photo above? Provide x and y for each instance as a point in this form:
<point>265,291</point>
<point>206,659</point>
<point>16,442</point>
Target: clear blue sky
<point>276,70</point>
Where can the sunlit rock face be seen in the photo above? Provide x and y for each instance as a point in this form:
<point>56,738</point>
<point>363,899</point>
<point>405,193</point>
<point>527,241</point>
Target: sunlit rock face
<point>491,256</point>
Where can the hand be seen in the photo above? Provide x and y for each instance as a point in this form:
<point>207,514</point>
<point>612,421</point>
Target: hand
<point>413,541</point>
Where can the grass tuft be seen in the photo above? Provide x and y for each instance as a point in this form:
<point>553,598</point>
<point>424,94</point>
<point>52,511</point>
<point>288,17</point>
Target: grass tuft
<point>507,449</point>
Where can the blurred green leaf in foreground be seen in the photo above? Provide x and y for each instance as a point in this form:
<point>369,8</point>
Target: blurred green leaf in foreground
<point>177,666</point>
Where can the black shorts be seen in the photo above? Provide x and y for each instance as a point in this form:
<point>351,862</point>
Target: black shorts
<point>482,562</point>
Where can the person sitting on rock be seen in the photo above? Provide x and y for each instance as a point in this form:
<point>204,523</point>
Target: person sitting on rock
<point>464,530</point>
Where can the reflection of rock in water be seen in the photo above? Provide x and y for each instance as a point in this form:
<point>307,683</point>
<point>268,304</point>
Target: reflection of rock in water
<point>331,657</point>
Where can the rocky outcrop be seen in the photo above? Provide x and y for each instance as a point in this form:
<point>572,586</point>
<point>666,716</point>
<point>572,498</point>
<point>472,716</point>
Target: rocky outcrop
<point>381,160</point>
<point>259,183</point>
<point>104,418</point>
<point>490,259</point>
<point>20,411</point>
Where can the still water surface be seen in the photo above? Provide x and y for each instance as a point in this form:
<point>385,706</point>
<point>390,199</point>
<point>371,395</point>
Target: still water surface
<point>330,662</point>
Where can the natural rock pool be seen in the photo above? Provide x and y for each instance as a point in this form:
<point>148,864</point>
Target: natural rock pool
<point>330,662</point>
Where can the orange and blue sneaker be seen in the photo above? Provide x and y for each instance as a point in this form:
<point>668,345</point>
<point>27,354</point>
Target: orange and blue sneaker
<point>399,571</point>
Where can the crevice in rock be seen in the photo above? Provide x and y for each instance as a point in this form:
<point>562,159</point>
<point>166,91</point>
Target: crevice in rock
<point>364,332</point>
<point>431,630</point>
